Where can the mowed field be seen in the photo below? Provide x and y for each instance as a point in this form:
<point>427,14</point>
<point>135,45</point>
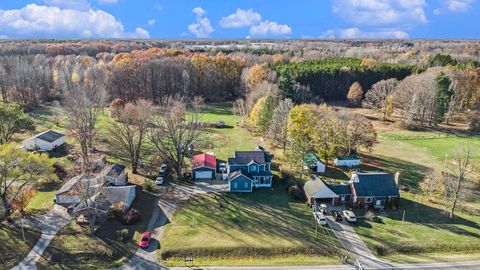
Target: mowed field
<point>426,234</point>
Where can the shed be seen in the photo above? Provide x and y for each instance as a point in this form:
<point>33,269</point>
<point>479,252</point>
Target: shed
<point>317,189</point>
<point>238,181</point>
<point>116,175</point>
<point>347,161</point>
<point>311,161</point>
<point>45,141</point>
<point>204,166</point>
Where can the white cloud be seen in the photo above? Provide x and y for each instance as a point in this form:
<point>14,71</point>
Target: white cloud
<point>405,13</point>
<point>241,18</point>
<point>351,33</point>
<point>202,26</point>
<point>152,22</point>
<point>51,21</point>
<point>270,28</point>
<point>454,6</point>
<point>69,4</point>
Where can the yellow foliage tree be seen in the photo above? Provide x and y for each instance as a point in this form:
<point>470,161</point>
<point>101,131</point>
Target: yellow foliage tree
<point>255,75</point>
<point>256,111</point>
<point>75,78</point>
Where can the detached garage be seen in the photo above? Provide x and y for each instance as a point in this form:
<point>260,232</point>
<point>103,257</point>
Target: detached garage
<point>45,141</point>
<point>204,166</point>
<point>316,189</point>
<point>347,161</point>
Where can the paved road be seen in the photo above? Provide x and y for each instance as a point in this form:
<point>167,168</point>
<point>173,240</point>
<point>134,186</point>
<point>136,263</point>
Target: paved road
<point>355,246</point>
<point>169,201</point>
<point>50,224</point>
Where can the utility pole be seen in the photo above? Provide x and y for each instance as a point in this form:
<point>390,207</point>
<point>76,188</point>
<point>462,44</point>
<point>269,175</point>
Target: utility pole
<point>403,217</point>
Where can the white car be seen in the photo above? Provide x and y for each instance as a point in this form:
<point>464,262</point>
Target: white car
<point>159,180</point>
<point>222,167</point>
<point>349,216</point>
<point>163,168</point>
<point>320,218</point>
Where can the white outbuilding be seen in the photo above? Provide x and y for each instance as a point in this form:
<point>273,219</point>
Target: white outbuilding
<point>311,161</point>
<point>347,161</point>
<point>45,141</point>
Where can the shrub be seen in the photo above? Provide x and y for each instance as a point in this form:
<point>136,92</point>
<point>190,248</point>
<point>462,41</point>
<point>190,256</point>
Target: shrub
<point>122,235</point>
<point>370,215</point>
<point>148,186</point>
<point>116,210</point>
<point>296,192</point>
<point>131,216</point>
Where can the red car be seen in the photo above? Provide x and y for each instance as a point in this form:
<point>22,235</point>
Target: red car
<point>145,239</point>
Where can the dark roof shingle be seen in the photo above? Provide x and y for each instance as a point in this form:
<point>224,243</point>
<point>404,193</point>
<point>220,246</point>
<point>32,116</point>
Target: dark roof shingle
<point>245,157</point>
<point>375,185</point>
<point>49,136</point>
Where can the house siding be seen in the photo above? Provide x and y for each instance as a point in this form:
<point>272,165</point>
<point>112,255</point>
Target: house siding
<point>241,184</point>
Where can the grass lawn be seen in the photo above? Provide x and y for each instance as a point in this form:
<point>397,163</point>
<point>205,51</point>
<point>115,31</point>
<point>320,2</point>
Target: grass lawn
<point>12,247</point>
<point>74,248</point>
<point>234,228</point>
<point>43,200</point>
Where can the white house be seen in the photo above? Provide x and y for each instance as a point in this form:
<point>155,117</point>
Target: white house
<point>311,161</point>
<point>347,161</point>
<point>116,175</point>
<point>45,141</point>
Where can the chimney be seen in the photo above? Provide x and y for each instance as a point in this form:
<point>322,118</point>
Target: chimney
<point>397,179</point>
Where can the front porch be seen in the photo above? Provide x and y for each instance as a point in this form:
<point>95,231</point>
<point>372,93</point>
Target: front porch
<point>262,181</point>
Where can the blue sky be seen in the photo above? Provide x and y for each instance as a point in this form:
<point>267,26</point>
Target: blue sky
<point>239,19</point>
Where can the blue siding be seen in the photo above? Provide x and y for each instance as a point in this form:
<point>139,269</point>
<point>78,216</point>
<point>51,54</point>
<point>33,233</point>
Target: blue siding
<point>253,168</point>
<point>234,168</point>
<point>241,184</point>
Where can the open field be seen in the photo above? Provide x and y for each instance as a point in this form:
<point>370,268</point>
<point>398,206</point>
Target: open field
<point>236,226</point>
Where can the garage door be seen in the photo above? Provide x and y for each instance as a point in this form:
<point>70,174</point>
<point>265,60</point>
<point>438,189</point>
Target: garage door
<point>203,175</point>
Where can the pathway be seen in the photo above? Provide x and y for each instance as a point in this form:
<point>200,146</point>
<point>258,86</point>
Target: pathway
<point>50,224</point>
<point>355,246</point>
<point>167,203</point>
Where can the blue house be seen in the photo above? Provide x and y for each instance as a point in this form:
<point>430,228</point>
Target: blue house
<point>249,169</point>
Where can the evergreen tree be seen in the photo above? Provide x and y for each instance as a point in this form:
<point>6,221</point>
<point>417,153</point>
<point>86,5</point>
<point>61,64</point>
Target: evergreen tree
<point>444,94</point>
<point>266,113</point>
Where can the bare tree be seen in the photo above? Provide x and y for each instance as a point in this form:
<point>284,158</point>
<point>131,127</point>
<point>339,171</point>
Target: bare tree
<point>457,184</point>
<point>355,131</point>
<point>432,185</point>
<point>176,128</point>
<point>278,129</point>
<point>92,199</point>
<point>380,97</point>
<point>240,109</point>
<point>128,133</point>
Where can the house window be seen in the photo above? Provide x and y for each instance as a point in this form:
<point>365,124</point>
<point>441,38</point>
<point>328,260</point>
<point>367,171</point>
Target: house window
<point>342,198</point>
<point>369,199</point>
<point>246,185</point>
<point>378,203</point>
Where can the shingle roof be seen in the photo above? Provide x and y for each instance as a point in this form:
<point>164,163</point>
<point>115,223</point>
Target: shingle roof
<point>204,160</point>
<point>341,189</point>
<point>348,158</point>
<point>237,173</point>
<point>310,159</point>
<point>245,157</point>
<point>49,136</point>
<point>318,189</point>
<point>375,184</point>
<point>115,170</point>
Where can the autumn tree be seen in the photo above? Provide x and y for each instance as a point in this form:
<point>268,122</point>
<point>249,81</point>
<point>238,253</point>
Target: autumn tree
<point>325,135</point>
<point>176,128</point>
<point>355,94</point>
<point>257,111</point>
<point>380,97</point>
<point>432,185</point>
<point>255,75</point>
<point>240,109</point>
<point>13,120</point>
<point>128,133</point>
<point>278,129</point>
<point>355,131</point>
<point>18,171</point>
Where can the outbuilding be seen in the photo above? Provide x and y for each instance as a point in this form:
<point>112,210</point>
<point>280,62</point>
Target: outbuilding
<point>204,166</point>
<point>311,161</point>
<point>116,175</point>
<point>45,141</point>
<point>347,161</point>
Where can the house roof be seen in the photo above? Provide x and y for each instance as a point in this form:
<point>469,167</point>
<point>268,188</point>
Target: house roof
<point>69,184</point>
<point>316,188</point>
<point>49,136</point>
<point>245,157</point>
<point>115,170</point>
<point>238,173</point>
<point>117,194</point>
<point>374,184</point>
<point>204,160</point>
<point>341,189</point>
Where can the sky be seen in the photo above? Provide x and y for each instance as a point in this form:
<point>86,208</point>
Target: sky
<point>325,19</point>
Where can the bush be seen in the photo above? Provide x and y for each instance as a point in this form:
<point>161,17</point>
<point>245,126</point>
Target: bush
<point>370,215</point>
<point>131,217</point>
<point>296,192</point>
<point>122,235</point>
<point>116,210</point>
<point>148,186</point>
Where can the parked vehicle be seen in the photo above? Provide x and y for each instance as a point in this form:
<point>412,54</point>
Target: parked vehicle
<point>222,167</point>
<point>323,208</point>
<point>145,241</point>
<point>349,216</point>
<point>320,218</point>
<point>163,168</point>
<point>337,216</point>
<point>159,180</point>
